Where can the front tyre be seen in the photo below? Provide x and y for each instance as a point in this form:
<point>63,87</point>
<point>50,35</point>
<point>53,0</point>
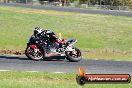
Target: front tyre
<point>34,54</point>
<point>74,56</point>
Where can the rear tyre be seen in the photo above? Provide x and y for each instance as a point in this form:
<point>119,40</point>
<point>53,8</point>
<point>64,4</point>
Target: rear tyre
<point>74,56</point>
<point>31,54</point>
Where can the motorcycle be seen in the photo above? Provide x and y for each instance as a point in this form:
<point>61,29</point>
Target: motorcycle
<point>65,48</point>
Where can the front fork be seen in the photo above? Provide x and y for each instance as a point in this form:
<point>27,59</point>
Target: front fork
<point>71,49</point>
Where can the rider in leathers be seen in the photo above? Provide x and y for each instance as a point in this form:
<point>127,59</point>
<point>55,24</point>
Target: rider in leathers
<point>43,39</point>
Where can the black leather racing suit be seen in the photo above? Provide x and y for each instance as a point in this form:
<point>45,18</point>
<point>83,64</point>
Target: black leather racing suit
<point>43,39</point>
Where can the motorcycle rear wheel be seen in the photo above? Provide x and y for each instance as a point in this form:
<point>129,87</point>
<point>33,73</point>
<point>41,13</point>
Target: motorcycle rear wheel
<point>29,52</point>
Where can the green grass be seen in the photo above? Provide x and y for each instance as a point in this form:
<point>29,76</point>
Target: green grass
<point>47,80</point>
<point>96,33</point>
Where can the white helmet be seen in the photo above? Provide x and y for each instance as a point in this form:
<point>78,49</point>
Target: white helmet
<point>37,30</point>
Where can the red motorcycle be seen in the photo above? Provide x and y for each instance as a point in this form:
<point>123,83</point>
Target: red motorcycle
<point>66,50</point>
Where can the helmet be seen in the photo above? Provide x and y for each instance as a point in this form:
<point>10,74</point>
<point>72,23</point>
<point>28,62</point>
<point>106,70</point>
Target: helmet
<point>37,30</point>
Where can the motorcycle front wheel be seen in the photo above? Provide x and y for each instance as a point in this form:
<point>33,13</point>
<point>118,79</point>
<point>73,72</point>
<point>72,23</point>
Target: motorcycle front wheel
<point>74,56</point>
<point>32,54</point>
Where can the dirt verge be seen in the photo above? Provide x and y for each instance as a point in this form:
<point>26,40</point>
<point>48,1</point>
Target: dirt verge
<point>15,52</point>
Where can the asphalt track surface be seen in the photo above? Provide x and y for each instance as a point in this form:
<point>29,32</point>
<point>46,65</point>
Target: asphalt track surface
<point>80,10</point>
<point>22,63</point>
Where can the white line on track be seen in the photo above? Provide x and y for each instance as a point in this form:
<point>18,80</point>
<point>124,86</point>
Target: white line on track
<point>32,71</point>
<point>4,70</point>
<point>58,72</point>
